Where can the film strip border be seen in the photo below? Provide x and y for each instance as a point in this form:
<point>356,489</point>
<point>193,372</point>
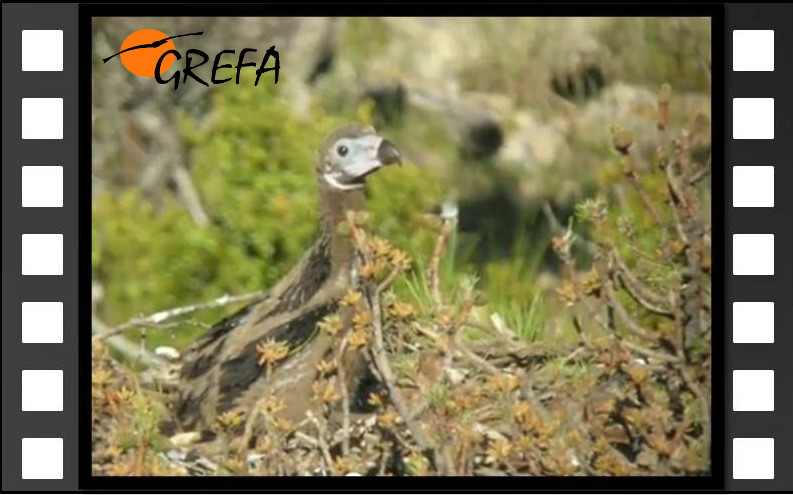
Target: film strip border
<point>758,247</point>
<point>40,225</point>
<point>39,329</point>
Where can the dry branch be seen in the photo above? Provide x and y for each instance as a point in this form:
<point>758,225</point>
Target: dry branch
<point>433,271</point>
<point>638,291</point>
<point>130,350</point>
<point>160,317</point>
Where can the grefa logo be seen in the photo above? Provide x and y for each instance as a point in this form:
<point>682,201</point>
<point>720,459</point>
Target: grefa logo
<point>149,53</point>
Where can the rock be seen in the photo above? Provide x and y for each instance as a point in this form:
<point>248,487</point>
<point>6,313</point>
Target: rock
<point>167,352</point>
<point>192,465</point>
<point>254,461</point>
<point>534,143</point>
<point>185,439</point>
<point>454,375</point>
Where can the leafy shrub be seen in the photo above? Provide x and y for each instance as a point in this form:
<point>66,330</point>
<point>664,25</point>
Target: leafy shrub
<point>644,308</point>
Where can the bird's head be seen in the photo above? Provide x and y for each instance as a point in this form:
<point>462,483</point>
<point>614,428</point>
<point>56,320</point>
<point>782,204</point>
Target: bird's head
<point>352,153</point>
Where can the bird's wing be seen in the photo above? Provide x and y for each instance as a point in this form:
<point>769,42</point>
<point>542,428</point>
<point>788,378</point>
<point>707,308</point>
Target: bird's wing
<point>222,364</point>
<point>240,379</point>
<point>224,326</point>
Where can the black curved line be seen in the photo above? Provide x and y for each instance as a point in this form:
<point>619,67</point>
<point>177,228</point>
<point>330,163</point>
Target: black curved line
<point>151,45</point>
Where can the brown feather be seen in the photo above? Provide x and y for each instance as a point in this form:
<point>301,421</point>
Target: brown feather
<point>220,371</point>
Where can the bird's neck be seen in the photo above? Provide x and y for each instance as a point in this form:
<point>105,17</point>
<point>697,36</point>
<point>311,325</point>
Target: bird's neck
<point>334,206</point>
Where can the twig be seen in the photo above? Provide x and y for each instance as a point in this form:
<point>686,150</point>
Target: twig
<point>345,395</point>
<point>189,195</point>
<point>704,405</point>
<point>643,295</point>
<point>477,360</point>
<point>358,237</point>
<point>435,336</point>
<point>609,328</point>
<point>127,348</point>
<point>461,347</point>
<point>247,431</point>
<point>581,334</point>
<point>384,367</point>
<point>307,438</point>
<point>614,303</point>
<point>684,205</point>
<point>677,202</point>
<point>389,280</point>
<point>453,347</point>
<point>560,230</point>
<point>378,354</point>
<point>433,282</point>
<point>633,179</point>
<point>699,174</point>
<point>162,316</point>
<point>556,226</point>
<point>321,443</point>
<point>661,356</point>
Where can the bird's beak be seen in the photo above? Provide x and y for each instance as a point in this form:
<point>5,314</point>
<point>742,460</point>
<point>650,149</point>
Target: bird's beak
<point>372,153</point>
<point>388,154</point>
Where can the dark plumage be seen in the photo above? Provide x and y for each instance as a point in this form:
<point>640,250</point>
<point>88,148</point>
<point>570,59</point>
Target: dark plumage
<point>220,371</point>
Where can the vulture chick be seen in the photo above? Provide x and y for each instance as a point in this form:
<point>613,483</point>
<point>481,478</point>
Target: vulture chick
<point>221,370</point>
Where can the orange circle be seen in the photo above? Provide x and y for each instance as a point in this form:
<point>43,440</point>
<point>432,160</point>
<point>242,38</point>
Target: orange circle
<point>142,61</point>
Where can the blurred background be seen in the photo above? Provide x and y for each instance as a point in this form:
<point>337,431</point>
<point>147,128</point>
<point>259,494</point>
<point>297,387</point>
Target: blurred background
<point>201,192</point>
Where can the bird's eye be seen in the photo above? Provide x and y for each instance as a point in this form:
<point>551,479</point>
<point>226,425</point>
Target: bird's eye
<point>342,150</point>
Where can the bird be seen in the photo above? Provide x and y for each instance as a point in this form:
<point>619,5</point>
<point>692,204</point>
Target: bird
<point>220,371</point>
